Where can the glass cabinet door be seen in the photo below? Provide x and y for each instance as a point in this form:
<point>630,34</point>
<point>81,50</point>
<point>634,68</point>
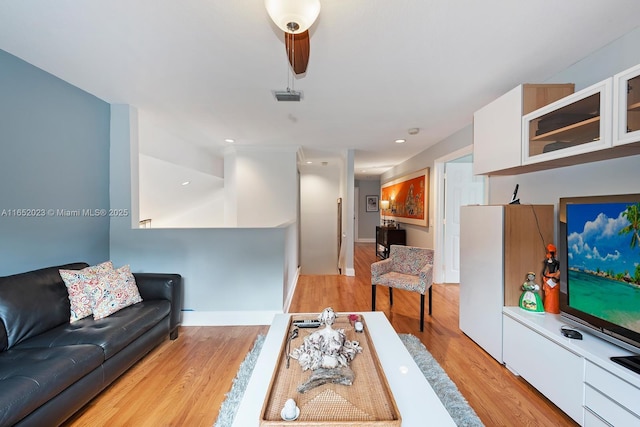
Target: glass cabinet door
<point>627,106</point>
<point>576,124</point>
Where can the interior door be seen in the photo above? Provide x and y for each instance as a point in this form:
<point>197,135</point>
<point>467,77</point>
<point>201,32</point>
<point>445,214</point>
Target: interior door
<point>461,188</point>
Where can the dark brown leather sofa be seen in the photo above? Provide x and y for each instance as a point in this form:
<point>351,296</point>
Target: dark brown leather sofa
<point>50,368</point>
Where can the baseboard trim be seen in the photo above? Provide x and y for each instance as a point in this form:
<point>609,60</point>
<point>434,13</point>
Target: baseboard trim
<point>228,318</point>
<point>350,272</point>
<point>287,301</point>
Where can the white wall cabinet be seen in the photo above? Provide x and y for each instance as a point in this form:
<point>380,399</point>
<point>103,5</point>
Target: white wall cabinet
<point>498,246</point>
<point>626,106</point>
<point>577,124</point>
<point>558,128</point>
<point>576,375</point>
<point>497,127</point>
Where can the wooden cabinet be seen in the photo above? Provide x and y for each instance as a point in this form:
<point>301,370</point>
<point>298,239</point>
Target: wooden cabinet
<point>577,124</point>
<point>387,236</point>
<point>626,106</point>
<point>497,127</point>
<point>498,246</point>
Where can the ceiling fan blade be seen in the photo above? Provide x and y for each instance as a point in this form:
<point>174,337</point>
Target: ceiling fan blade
<point>297,46</point>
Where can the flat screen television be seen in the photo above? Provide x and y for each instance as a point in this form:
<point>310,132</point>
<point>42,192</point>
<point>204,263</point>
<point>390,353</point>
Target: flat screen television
<point>599,254</point>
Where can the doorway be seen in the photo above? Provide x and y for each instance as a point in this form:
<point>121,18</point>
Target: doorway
<point>455,186</point>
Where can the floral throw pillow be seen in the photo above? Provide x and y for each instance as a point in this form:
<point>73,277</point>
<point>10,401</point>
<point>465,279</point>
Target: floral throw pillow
<point>79,284</point>
<point>117,289</point>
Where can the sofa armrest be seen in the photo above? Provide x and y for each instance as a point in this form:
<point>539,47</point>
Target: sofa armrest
<point>163,286</point>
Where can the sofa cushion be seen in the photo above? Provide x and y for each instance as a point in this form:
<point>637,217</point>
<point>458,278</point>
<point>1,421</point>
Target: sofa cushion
<point>3,337</point>
<point>112,333</point>
<point>80,285</point>
<point>402,281</point>
<point>34,376</point>
<point>33,302</point>
<point>117,290</point>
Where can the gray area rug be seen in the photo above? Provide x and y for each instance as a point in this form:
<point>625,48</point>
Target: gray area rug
<point>453,401</point>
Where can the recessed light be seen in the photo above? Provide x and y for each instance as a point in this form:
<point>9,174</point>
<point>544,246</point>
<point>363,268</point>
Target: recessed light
<point>186,183</point>
<point>229,140</point>
<point>309,162</point>
<point>400,141</point>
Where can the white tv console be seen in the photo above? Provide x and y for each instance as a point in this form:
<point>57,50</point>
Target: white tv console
<point>576,375</point>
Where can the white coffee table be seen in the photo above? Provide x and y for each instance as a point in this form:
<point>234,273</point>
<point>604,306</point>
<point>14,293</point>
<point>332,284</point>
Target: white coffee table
<point>418,403</point>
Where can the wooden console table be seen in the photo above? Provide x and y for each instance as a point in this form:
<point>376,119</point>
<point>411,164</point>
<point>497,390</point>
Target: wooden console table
<point>387,236</point>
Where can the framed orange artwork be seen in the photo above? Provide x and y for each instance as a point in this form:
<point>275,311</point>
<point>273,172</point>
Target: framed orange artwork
<point>408,198</point>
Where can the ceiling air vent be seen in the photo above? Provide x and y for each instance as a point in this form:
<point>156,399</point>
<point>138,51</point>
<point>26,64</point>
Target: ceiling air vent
<point>287,95</point>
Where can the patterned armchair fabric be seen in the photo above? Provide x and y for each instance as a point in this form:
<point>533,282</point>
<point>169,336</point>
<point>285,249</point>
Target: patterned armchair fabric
<point>408,267</point>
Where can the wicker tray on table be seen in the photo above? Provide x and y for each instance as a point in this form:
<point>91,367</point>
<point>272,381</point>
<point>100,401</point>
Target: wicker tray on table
<point>367,403</point>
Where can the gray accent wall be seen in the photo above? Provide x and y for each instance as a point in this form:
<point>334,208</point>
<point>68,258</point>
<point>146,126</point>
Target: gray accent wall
<point>54,170</point>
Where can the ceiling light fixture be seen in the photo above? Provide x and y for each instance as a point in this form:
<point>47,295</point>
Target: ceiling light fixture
<point>400,141</point>
<point>186,183</point>
<point>230,140</point>
<point>293,16</point>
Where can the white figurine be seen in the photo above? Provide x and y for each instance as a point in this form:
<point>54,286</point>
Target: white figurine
<point>290,411</point>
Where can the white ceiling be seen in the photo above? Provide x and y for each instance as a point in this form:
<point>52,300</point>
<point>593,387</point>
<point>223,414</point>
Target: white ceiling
<point>207,68</point>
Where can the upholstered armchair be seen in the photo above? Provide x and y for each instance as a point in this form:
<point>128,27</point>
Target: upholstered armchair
<point>409,268</point>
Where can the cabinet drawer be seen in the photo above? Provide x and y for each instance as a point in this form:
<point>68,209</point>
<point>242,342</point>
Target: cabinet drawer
<point>591,420</point>
<point>617,389</point>
<point>552,369</point>
<point>607,409</point>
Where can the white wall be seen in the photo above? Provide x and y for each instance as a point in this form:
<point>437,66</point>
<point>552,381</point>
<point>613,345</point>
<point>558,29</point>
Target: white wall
<point>615,176</point>
<point>418,235</point>
<point>617,56</point>
<point>319,192</point>
<point>231,275</point>
<point>170,204</point>
<point>348,217</point>
<point>264,181</point>
<point>167,161</point>
<point>156,141</point>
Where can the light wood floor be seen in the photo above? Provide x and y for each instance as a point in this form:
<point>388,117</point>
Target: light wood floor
<point>183,382</point>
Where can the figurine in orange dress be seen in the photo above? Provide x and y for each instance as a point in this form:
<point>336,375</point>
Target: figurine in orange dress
<point>551,281</point>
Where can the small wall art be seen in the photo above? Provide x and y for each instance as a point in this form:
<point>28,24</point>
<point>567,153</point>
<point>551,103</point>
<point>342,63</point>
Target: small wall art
<point>372,204</point>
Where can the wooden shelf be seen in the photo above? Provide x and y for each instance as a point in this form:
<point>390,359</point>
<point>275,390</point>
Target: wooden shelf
<point>568,132</point>
<point>634,107</point>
